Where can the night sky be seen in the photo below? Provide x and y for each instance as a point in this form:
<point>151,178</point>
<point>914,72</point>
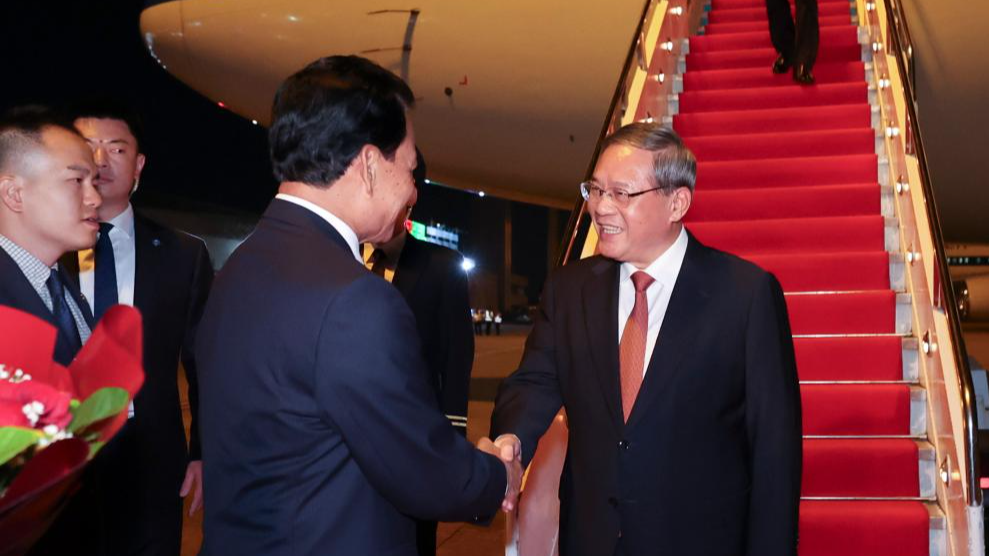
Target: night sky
<point>200,156</point>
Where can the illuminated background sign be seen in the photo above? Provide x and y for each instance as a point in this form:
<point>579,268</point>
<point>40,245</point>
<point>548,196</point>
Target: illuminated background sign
<point>446,237</point>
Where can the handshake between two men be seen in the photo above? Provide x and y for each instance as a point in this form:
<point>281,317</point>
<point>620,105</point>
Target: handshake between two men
<point>508,448</point>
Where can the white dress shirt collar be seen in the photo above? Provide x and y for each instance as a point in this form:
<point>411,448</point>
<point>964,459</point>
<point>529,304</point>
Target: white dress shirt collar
<point>666,267</point>
<point>339,225</point>
<point>125,221</point>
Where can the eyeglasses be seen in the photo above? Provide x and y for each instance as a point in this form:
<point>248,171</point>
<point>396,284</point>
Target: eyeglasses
<point>593,194</point>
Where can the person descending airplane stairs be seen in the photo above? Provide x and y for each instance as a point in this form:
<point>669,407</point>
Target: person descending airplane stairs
<point>789,178</point>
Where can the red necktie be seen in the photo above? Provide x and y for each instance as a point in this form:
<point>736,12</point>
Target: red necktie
<point>632,349</point>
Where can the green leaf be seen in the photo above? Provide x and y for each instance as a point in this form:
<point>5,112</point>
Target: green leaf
<point>14,440</point>
<point>95,447</point>
<point>103,403</point>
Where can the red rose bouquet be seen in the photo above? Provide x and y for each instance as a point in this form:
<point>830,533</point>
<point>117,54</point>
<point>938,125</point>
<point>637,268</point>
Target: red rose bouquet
<point>54,419</point>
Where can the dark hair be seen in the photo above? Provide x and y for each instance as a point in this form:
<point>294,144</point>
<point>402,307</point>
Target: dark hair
<point>21,128</point>
<point>323,116</point>
<point>109,108</point>
<point>673,164</point>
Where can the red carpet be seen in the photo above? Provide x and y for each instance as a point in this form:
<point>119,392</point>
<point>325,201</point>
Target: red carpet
<point>844,35</point>
<point>747,26</point>
<point>789,96</point>
<point>856,409</point>
<point>746,174</point>
<point>794,235</point>
<point>876,358</point>
<point>795,202</point>
<point>863,529</point>
<point>842,313</point>
<point>828,271</point>
<point>835,72</point>
<point>846,116</point>
<point>731,14</point>
<point>791,144</point>
<point>788,178</point>
<point>860,467</point>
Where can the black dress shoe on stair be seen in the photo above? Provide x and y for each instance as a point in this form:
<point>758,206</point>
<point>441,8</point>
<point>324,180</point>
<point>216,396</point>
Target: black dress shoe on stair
<point>802,75</point>
<point>781,65</point>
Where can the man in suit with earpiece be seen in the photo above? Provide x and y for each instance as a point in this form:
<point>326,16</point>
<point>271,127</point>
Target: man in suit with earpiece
<point>147,469</point>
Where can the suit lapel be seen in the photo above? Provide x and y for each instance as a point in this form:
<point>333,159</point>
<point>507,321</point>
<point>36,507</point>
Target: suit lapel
<point>409,268</point>
<point>684,315</point>
<point>146,258</point>
<point>600,298</point>
<point>17,292</point>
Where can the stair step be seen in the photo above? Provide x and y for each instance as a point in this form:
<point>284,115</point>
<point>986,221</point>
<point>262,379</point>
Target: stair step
<point>761,76</point>
<point>746,26</point>
<point>743,122</point>
<point>793,144</point>
<point>863,410</point>
<point>764,57</point>
<point>797,235</point>
<point>734,4</point>
<point>758,98</point>
<point>870,468</point>
<point>857,358</point>
<point>865,528</point>
<point>792,202</point>
<point>733,15</point>
<point>868,312</point>
<point>825,170</point>
<point>828,271</point>
<point>844,35</point>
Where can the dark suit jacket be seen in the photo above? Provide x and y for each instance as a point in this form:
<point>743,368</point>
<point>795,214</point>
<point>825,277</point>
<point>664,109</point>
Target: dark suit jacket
<point>17,292</point>
<point>434,285</point>
<point>321,434</point>
<point>142,468</point>
<point>709,461</point>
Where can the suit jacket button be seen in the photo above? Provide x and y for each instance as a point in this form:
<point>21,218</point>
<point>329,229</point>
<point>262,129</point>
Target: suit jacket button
<point>623,445</point>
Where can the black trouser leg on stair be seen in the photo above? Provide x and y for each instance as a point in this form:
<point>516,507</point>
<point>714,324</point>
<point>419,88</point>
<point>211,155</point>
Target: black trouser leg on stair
<point>808,34</point>
<point>798,44</point>
<point>781,30</point>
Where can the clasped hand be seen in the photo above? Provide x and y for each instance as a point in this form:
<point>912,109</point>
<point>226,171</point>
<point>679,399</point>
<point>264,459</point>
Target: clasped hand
<point>508,448</point>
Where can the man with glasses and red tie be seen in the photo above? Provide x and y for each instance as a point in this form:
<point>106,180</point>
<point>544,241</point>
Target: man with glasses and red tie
<point>674,363</point>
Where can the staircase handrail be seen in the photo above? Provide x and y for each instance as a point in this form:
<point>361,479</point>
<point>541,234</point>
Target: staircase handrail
<point>900,45</point>
<point>614,113</point>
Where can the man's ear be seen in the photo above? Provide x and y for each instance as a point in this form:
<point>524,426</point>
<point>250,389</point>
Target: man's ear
<point>138,167</point>
<point>11,192</point>
<point>367,161</point>
<point>680,201</point>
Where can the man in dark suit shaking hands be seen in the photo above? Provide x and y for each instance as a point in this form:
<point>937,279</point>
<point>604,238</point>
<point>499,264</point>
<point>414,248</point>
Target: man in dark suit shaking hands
<point>675,365</point>
<point>321,432</point>
<point>432,280</point>
<point>166,274</point>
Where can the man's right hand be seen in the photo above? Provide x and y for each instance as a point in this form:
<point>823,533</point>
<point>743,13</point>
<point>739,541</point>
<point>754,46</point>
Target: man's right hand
<point>509,452</point>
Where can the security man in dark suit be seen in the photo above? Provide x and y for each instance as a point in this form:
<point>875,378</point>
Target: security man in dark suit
<point>675,365</point>
<point>321,431</point>
<point>431,279</point>
<point>48,207</point>
<point>147,469</point>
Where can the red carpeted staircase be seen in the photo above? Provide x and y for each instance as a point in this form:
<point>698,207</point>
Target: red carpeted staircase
<point>788,177</point>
